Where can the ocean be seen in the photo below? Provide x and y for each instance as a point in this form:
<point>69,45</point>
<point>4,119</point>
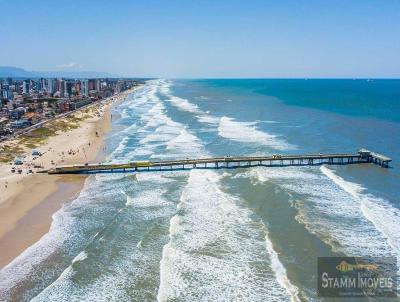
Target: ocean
<point>224,235</point>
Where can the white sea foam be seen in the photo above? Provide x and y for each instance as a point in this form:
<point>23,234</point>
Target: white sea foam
<point>280,271</point>
<point>131,129</point>
<point>384,216</point>
<point>330,211</point>
<point>164,87</point>
<point>156,137</point>
<point>136,258</point>
<point>186,144</point>
<point>246,132</point>
<point>267,122</point>
<point>62,234</point>
<point>207,119</point>
<point>148,106</point>
<point>214,243</point>
<point>268,174</point>
<point>161,131</point>
<point>158,131</point>
<point>184,104</point>
<point>121,147</point>
<point>125,114</point>
<point>147,198</point>
<point>80,257</point>
<point>141,151</point>
<point>201,223</point>
<point>65,276</point>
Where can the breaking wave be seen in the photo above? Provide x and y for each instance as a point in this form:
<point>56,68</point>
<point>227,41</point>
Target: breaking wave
<point>247,132</point>
<point>378,211</point>
<point>217,249</point>
<point>335,213</point>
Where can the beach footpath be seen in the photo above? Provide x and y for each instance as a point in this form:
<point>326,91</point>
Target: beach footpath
<point>28,200</point>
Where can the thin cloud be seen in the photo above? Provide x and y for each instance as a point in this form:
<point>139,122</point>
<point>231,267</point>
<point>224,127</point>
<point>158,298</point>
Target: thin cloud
<point>70,65</point>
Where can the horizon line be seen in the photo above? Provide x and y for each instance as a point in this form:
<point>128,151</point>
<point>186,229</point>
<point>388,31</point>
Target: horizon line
<point>214,78</point>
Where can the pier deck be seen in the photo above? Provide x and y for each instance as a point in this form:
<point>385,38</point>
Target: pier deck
<point>362,156</point>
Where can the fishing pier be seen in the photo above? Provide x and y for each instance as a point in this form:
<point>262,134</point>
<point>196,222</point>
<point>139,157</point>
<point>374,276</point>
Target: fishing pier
<point>363,156</point>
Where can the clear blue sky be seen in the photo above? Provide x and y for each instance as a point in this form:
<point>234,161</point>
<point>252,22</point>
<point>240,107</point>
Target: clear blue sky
<point>204,38</point>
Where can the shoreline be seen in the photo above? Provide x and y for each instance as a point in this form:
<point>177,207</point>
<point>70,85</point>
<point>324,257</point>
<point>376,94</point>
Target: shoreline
<point>28,201</point>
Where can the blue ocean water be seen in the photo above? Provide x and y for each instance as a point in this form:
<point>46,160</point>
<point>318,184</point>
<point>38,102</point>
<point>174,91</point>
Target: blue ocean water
<point>227,235</point>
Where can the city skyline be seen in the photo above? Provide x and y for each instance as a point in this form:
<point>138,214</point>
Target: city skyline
<point>289,39</point>
<point>27,104</point>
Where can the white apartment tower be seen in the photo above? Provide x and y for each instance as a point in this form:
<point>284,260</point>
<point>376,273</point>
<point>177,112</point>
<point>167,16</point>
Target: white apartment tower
<point>85,87</point>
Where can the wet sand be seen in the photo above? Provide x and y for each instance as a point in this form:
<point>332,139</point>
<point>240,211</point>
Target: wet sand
<point>37,220</point>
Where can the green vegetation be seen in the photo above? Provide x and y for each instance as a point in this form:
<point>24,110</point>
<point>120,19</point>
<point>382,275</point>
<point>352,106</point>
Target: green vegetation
<point>74,119</point>
<point>9,152</point>
<point>38,136</point>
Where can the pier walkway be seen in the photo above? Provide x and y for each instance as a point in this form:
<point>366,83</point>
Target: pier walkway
<point>362,156</point>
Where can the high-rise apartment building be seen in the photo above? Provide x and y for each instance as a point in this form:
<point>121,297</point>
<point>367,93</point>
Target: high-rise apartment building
<point>85,87</point>
<point>51,86</point>
<point>25,87</point>
<point>68,88</point>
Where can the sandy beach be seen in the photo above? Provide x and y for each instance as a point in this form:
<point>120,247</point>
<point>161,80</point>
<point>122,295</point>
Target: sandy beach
<point>28,200</point>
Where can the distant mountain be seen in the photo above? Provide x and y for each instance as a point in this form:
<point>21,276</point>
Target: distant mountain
<point>15,72</point>
<point>8,71</point>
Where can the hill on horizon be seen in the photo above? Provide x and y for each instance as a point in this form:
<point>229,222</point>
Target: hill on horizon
<point>16,72</point>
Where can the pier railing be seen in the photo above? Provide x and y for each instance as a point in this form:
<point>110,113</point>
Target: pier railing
<point>229,162</point>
